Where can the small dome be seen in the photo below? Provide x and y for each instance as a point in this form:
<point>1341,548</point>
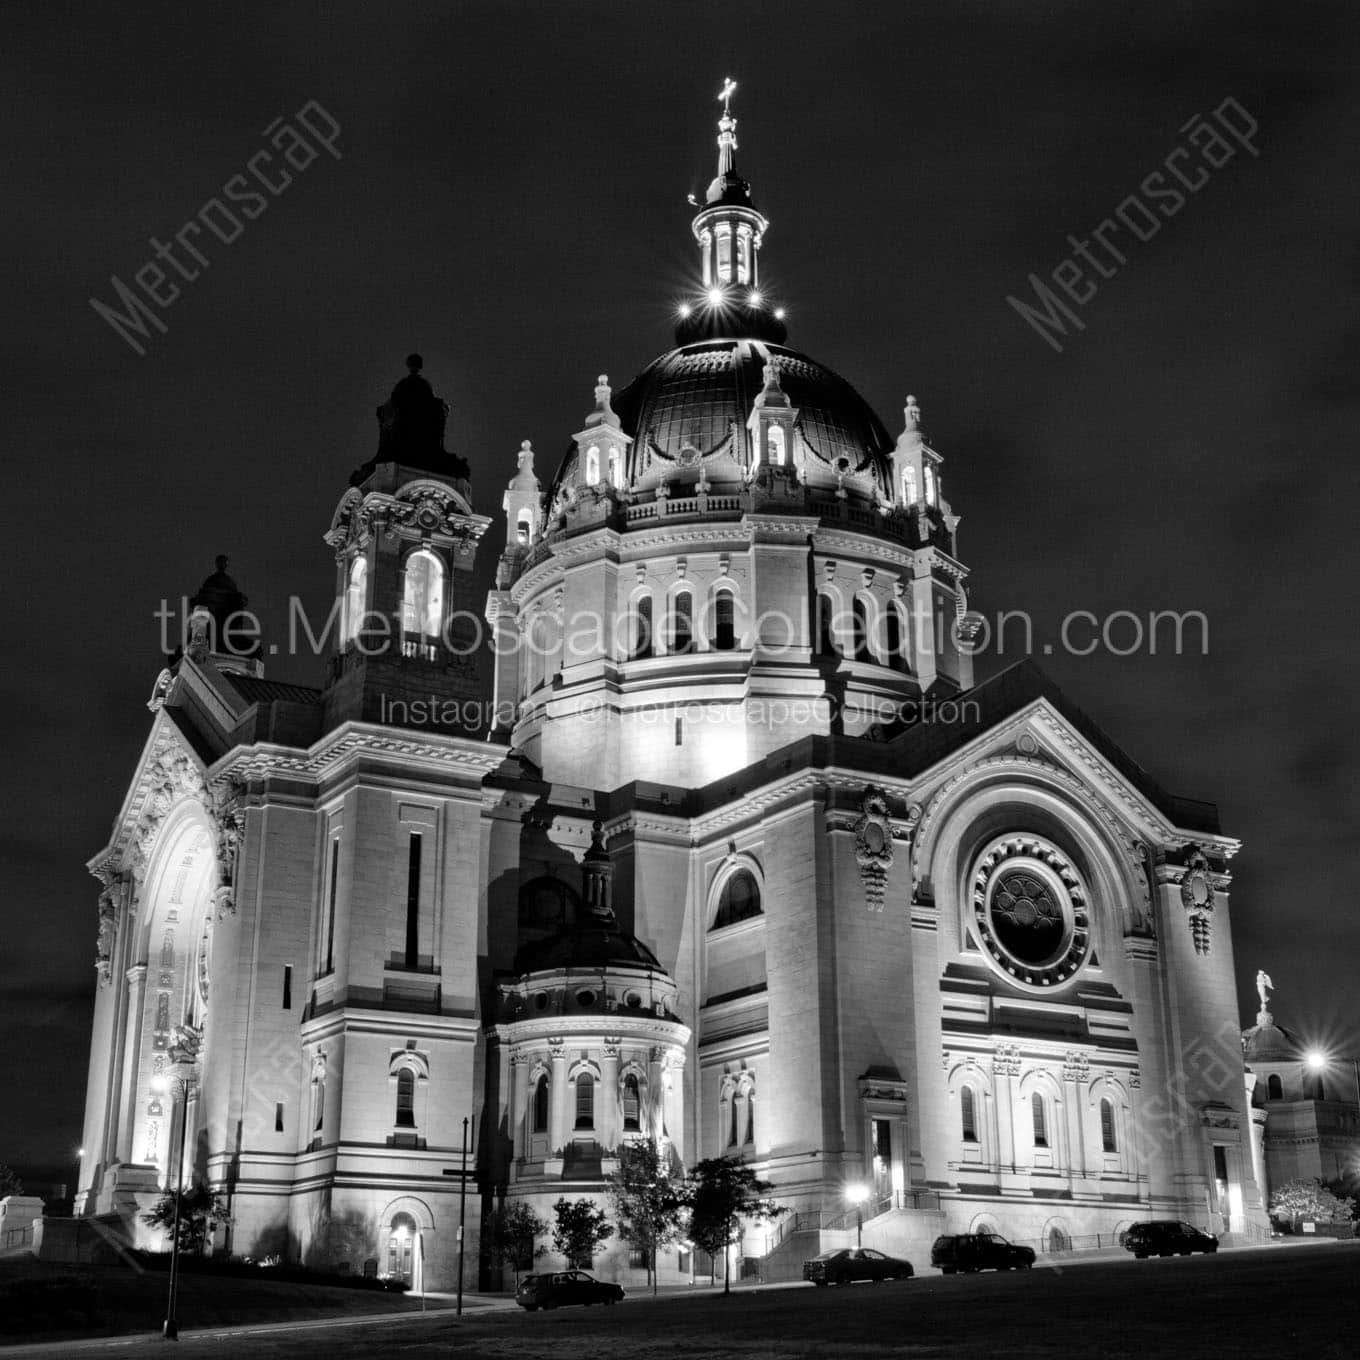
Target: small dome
<point>1270,1044</point>
<point>698,396</point>
<point>592,942</point>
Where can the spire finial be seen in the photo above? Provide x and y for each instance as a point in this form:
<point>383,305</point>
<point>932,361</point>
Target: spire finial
<point>603,414</point>
<point>526,454</point>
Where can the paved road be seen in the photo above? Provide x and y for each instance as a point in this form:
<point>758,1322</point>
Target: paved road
<point>1259,1305</point>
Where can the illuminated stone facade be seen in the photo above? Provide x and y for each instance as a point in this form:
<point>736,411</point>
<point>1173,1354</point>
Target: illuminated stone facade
<point>845,913</point>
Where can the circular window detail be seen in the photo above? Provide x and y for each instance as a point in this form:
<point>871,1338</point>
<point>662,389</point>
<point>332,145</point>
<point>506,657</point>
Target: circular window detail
<point>633,1000</point>
<point>1030,910</point>
<point>541,1001</point>
<point>585,998</point>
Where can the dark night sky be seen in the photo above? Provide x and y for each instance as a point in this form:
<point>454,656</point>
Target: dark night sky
<point>511,202</point>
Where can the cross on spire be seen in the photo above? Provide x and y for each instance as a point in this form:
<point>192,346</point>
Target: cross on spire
<point>725,94</point>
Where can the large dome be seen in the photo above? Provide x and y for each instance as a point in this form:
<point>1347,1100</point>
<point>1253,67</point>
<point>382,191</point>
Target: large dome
<point>693,404</point>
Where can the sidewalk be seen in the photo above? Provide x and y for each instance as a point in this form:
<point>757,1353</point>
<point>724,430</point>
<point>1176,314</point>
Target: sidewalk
<point>440,1306</point>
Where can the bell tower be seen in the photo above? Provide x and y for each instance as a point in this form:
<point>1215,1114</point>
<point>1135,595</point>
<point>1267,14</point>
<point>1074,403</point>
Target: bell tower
<point>405,535</point>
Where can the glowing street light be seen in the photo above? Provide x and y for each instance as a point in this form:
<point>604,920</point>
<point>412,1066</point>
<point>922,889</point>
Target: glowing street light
<point>856,1194</point>
<point>715,297</point>
<point>1320,1061</point>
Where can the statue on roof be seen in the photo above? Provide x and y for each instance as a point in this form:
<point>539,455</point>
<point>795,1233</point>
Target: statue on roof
<point>1264,987</point>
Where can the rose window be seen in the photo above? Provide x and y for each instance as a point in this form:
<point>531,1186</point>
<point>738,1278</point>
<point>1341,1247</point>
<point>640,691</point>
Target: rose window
<point>1030,911</point>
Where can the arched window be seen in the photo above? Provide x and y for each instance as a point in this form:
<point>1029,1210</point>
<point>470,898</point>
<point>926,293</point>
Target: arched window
<point>733,1128</point>
<point>895,638</point>
<point>750,1138</point>
<point>539,1120</point>
<point>640,645</point>
<point>930,484</point>
<point>422,601</point>
<point>826,637</point>
<point>724,253</point>
<point>724,621</point>
<point>406,1099</point>
<point>592,466</point>
<point>1108,1139</point>
<point>615,468</point>
<point>739,899</point>
<point>356,597</point>
<point>909,486</point>
<point>318,1100</point>
<point>585,1101</point>
<point>968,1115</point>
<point>1040,1120</point>
<point>743,254</point>
<point>778,448</point>
<point>1274,1087</point>
<point>632,1104</point>
<point>681,622</point>
<point>524,525</point>
<point>1058,1240</point>
<point>860,623</point>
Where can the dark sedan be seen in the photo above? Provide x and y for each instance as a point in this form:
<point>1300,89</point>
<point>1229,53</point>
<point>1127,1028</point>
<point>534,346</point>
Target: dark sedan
<point>967,1253</point>
<point>1167,1237</point>
<point>563,1288</point>
<point>855,1263</point>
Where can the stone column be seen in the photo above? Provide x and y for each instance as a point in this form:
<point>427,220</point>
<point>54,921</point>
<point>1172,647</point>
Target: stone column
<point>608,1115</point>
<point>560,1121</point>
<point>1075,1074</point>
<point>519,1103</point>
<point>126,1114</point>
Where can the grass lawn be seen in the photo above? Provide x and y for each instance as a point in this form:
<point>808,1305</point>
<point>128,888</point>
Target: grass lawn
<point>48,1301</point>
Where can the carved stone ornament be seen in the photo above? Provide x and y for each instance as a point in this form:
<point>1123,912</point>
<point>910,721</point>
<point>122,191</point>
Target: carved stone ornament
<point>111,900</point>
<point>874,846</point>
<point>1076,1068</point>
<point>1197,897</point>
<point>1006,1062</point>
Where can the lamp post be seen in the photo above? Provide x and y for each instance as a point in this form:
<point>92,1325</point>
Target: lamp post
<point>183,1052</point>
<point>462,1215</point>
<point>856,1194</point>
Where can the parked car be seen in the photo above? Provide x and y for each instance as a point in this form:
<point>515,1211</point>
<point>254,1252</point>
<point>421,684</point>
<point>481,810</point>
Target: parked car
<point>562,1288</point>
<point>1167,1237</point>
<point>963,1253</point>
<point>855,1263</point>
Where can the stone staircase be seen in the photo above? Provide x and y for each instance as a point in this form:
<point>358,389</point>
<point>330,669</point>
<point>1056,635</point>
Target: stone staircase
<point>905,1227</point>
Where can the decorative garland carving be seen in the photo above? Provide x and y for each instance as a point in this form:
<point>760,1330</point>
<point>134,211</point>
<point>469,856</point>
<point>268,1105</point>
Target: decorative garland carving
<point>874,846</point>
<point>1006,1062</point>
<point>1197,897</point>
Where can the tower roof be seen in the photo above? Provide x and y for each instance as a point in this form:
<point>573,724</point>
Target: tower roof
<point>411,431</point>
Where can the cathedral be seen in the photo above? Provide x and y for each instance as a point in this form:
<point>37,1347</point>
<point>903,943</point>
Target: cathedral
<point>731,854</point>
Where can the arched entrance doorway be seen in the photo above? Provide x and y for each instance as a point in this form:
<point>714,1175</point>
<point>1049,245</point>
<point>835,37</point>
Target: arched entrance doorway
<point>405,1259</point>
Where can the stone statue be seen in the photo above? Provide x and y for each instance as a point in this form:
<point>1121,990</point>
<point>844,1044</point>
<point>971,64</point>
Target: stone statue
<point>1264,987</point>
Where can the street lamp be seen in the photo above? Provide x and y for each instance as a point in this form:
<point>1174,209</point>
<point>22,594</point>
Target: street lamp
<point>183,1053</point>
<point>856,1194</point>
<point>1319,1061</point>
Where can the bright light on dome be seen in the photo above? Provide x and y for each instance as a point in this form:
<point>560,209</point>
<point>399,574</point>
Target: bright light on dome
<point>684,309</point>
<point>715,296</point>
<point>778,313</point>
<point>755,299</point>
<point>1317,1061</point>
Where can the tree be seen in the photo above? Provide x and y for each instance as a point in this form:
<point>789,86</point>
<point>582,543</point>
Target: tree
<point>647,1202</point>
<point>723,1191</point>
<point>513,1232</point>
<point>581,1229</point>
<point>10,1184</point>
<point>1310,1199</point>
<point>200,1212</point>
